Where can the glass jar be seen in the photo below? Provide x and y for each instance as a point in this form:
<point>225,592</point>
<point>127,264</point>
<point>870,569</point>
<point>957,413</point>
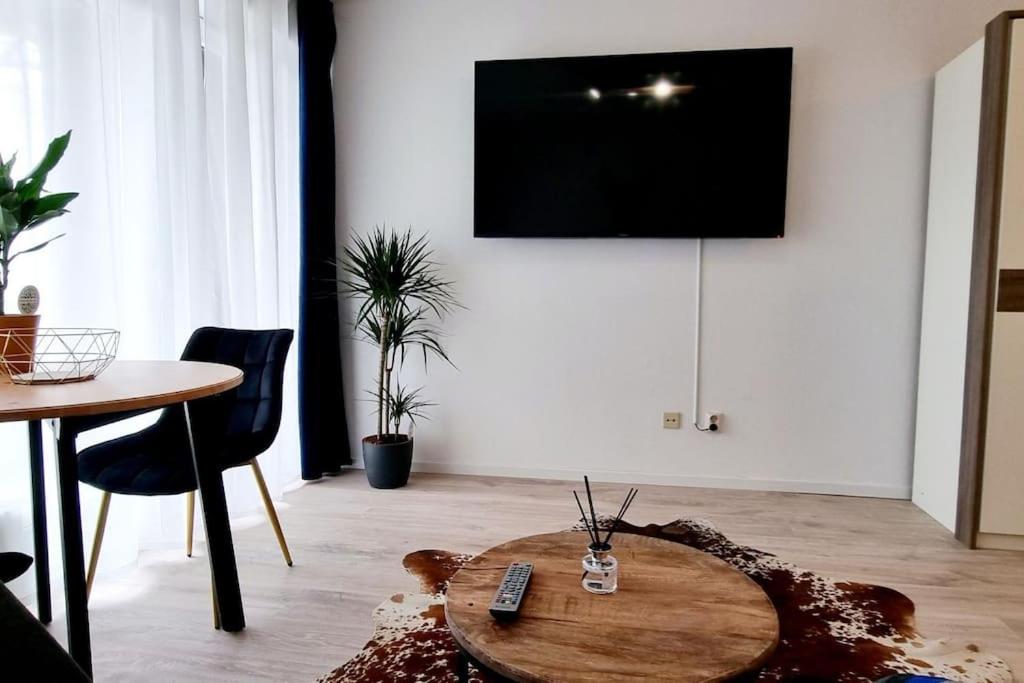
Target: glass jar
<point>600,570</point>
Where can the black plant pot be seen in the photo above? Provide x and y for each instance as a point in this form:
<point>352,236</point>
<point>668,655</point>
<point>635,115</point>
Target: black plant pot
<point>387,463</point>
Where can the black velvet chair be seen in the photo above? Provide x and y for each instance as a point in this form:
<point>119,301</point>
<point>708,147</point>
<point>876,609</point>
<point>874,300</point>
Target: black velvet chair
<point>13,565</point>
<point>29,651</point>
<point>157,461</point>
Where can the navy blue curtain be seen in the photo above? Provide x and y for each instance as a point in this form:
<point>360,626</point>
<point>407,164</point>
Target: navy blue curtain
<point>323,427</point>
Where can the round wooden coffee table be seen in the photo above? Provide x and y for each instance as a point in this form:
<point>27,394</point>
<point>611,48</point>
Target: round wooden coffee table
<point>679,614</point>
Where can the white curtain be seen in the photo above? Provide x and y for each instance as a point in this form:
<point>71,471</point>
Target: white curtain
<point>185,152</point>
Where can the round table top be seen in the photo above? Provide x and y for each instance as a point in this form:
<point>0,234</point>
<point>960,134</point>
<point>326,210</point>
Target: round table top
<point>678,615</point>
<point>125,385</point>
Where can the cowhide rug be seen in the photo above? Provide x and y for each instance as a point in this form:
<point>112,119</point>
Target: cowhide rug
<point>829,630</point>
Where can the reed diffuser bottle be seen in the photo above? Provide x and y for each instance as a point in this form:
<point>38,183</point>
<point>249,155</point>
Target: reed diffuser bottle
<point>600,569</point>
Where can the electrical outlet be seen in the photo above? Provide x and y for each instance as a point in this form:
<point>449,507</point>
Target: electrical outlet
<point>713,421</point>
<point>672,420</point>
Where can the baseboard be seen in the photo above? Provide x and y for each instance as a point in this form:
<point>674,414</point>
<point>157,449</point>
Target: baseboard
<point>1000,541</point>
<point>612,476</point>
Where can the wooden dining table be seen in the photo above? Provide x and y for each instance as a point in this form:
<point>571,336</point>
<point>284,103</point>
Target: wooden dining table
<point>125,388</point>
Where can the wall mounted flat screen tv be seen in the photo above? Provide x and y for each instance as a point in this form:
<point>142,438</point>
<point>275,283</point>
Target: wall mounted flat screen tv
<point>684,144</point>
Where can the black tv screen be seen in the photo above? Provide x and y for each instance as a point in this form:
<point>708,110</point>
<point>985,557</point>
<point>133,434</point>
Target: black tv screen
<point>684,144</point>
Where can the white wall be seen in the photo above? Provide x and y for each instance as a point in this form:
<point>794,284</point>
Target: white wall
<point>956,125</point>
<point>570,350</point>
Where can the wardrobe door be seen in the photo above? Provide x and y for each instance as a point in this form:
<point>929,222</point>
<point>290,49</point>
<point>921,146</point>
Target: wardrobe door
<point>1001,522</point>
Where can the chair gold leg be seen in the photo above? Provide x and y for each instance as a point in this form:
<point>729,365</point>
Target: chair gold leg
<point>97,542</point>
<point>190,520</point>
<point>271,512</point>
<point>216,606</point>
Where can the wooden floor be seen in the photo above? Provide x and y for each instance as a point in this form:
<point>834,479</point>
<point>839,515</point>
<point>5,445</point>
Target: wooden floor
<point>153,622</point>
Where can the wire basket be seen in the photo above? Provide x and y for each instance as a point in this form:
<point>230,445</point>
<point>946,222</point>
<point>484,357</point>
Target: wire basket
<point>57,355</point>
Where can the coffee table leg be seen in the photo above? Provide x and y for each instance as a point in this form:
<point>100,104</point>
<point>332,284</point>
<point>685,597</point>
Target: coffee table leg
<point>41,550</point>
<point>220,548</point>
<point>462,671</point>
<point>79,644</point>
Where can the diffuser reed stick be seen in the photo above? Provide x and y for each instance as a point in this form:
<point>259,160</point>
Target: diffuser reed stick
<point>625,506</point>
<point>590,501</point>
<point>583,518</point>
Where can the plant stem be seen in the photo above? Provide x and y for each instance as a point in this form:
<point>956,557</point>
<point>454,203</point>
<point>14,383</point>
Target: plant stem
<point>385,325</point>
<point>3,281</point>
<point>387,398</point>
<point>391,367</point>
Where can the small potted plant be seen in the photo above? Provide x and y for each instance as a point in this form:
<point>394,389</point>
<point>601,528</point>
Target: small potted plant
<point>400,294</point>
<point>24,206</point>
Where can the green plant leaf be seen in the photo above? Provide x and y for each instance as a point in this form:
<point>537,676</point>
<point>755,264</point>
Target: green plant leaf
<point>35,208</point>
<point>55,201</point>
<point>8,225</point>
<point>35,248</point>
<point>38,220</point>
<point>410,328</point>
<point>54,151</point>
<point>31,186</point>
<point>405,405</point>
<point>6,182</point>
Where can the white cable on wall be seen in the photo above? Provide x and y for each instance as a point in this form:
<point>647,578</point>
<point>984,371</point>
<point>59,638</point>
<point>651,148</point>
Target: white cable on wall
<point>696,331</point>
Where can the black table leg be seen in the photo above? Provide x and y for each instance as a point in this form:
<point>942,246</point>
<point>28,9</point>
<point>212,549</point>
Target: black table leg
<point>42,551</point>
<point>74,557</point>
<point>466,661</point>
<point>220,548</point>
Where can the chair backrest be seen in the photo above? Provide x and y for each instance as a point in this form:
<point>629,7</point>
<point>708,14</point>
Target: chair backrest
<point>253,408</point>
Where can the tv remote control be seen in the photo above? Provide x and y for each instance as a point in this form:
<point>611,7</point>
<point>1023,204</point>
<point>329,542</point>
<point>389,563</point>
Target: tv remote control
<point>508,597</point>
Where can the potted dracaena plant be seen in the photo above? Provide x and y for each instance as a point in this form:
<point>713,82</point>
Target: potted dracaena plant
<point>400,295</point>
<point>24,206</point>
